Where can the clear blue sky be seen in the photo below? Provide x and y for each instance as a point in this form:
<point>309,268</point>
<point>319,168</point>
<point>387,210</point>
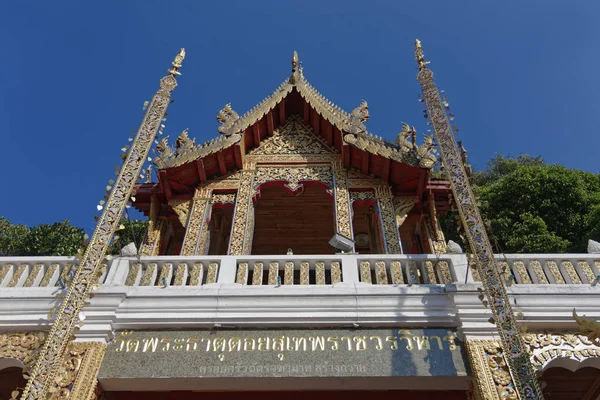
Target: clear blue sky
<point>521,77</point>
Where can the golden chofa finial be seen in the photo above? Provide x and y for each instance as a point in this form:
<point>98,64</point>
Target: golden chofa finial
<point>177,63</point>
<point>295,73</point>
<point>419,55</point>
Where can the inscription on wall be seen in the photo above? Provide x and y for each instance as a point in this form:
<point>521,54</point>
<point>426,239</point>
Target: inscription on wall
<point>270,353</point>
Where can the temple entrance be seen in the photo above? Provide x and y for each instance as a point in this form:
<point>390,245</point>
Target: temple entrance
<point>11,378</point>
<point>562,384</point>
<point>302,221</point>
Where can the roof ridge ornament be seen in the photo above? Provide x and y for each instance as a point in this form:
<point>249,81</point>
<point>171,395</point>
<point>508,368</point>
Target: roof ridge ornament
<point>184,143</point>
<point>296,69</point>
<point>227,117</point>
<point>358,117</point>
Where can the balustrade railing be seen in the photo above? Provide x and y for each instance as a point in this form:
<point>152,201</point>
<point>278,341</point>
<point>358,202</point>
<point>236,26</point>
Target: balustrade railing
<point>20,272</point>
<point>544,269</point>
<point>301,270</point>
<point>168,273</point>
<point>289,271</point>
<point>406,270</point>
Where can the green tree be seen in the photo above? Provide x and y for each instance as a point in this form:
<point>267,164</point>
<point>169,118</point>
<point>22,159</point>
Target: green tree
<point>500,166</point>
<point>58,239</point>
<point>12,238</point>
<point>532,207</point>
<point>131,232</point>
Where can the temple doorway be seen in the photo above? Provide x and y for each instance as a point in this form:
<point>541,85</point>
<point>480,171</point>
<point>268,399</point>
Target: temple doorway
<point>302,221</point>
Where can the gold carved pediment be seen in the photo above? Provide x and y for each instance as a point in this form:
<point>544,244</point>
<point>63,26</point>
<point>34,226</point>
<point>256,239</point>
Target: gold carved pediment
<point>293,138</point>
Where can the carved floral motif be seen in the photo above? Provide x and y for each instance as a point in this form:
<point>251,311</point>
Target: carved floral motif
<point>151,245</point>
<point>293,175</point>
<point>492,379</point>
<point>390,227</point>
<point>402,206</point>
<point>77,376</point>
<point>240,213</point>
<point>342,201</point>
<point>293,138</point>
<point>544,347</point>
<point>22,346</point>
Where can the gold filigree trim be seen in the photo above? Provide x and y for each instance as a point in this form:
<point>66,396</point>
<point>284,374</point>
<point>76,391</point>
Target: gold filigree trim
<point>182,209</point>
<point>77,376</point>
<point>545,347</point>
<point>493,380</point>
<point>22,346</point>
<point>293,138</point>
<point>402,206</point>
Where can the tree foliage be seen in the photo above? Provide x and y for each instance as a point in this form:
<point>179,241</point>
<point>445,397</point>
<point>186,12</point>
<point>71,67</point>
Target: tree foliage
<point>132,232</point>
<point>532,207</point>
<point>58,239</point>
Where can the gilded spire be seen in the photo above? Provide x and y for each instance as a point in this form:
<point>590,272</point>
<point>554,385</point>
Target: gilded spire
<point>295,73</point>
<point>177,63</point>
<point>419,55</point>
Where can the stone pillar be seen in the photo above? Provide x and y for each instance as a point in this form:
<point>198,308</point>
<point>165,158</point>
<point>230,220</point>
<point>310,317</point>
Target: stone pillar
<point>343,224</point>
<point>388,220</point>
<point>198,222</point>
<point>242,232</point>
<point>77,378</point>
<point>491,377</point>
<point>151,246</point>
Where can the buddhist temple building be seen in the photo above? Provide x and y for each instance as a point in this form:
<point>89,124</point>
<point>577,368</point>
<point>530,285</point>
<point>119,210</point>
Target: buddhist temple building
<point>298,254</point>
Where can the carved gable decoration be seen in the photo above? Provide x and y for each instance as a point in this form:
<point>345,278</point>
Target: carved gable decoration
<point>293,138</point>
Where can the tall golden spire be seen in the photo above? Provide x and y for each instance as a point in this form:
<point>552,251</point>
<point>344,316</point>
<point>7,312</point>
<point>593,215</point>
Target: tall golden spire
<point>49,366</point>
<point>513,347</point>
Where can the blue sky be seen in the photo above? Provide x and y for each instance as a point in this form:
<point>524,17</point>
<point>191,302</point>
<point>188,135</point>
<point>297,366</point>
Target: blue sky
<point>521,77</point>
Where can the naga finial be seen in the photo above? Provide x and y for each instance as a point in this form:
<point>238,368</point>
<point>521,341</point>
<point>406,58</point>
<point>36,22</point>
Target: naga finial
<point>295,72</point>
<point>177,62</point>
<point>227,117</point>
<point>419,55</point>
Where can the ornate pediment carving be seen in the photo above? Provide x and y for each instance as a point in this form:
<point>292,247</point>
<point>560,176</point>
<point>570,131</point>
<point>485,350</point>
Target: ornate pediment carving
<point>402,206</point>
<point>292,138</point>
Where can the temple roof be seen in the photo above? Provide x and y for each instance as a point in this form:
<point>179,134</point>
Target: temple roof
<point>351,125</point>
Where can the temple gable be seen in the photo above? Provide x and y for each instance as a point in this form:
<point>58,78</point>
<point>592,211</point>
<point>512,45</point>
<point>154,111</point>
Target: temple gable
<point>293,138</point>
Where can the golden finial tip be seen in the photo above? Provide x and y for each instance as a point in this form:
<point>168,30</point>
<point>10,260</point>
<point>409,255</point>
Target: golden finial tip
<point>177,62</point>
<point>419,55</point>
<point>295,73</point>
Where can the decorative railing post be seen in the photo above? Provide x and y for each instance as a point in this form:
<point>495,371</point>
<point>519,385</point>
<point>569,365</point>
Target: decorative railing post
<point>343,224</point>
<point>197,224</point>
<point>45,372</point>
<point>388,220</point>
<point>240,241</point>
<point>512,344</point>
